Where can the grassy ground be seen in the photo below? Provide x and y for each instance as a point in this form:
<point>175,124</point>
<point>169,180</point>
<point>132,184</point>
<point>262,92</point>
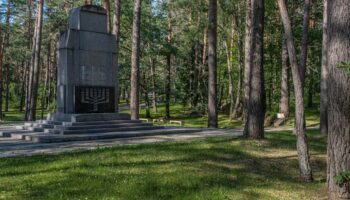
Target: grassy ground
<point>16,116</point>
<point>216,168</point>
<point>179,112</point>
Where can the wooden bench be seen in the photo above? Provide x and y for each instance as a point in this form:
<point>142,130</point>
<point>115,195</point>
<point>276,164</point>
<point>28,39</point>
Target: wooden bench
<point>158,120</point>
<point>181,123</point>
<point>144,120</point>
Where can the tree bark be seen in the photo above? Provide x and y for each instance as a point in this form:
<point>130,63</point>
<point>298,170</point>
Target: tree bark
<point>302,148</point>
<point>240,77</point>
<point>29,46</point>
<point>168,66</point>
<point>1,74</point>
<point>339,97</point>
<point>257,105</point>
<point>23,86</point>
<point>154,93</point>
<point>35,64</point>
<point>212,65</point>
<point>106,5</point>
<point>116,31</point>
<point>167,86</point>
<point>47,79</point>
<point>135,62</point>
<point>230,78</point>
<point>324,73</point>
<point>310,91</point>
<point>284,100</point>
<point>7,64</point>
<point>304,41</point>
<point>240,68</point>
<point>247,63</point>
<point>203,72</point>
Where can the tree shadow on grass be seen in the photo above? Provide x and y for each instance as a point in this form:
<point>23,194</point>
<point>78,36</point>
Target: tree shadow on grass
<point>217,167</point>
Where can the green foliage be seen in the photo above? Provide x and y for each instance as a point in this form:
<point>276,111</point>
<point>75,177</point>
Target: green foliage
<point>345,65</point>
<point>342,178</point>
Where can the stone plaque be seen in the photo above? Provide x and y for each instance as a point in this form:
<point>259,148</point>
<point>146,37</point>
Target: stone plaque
<point>93,74</point>
<point>94,99</point>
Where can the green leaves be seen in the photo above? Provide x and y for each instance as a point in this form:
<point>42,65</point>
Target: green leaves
<point>342,178</point>
<point>345,65</point>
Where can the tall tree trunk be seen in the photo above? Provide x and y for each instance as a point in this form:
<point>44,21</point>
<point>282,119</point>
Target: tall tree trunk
<point>304,41</point>
<point>247,62</point>
<point>230,78</point>
<point>29,46</point>
<point>154,93</point>
<point>240,68</point>
<point>310,91</point>
<point>339,97</point>
<point>7,65</point>
<point>7,88</point>
<point>35,64</point>
<point>203,76</point>
<point>212,65</point>
<point>229,69</point>
<point>145,96</point>
<point>135,61</point>
<point>1,74</point>
<point>257,104</point>
<point>324,73</point>
<point>47,78</point>
<point>116,31</point>
<point>106,5</point>
<point>23,87</point>
<point>302,148</point>
<point>167,86</point>
<point>168,68</point>
<point>284,100</point>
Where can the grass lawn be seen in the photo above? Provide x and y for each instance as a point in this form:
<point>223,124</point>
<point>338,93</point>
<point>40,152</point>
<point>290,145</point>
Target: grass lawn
<point>179,112</point>
<point>216,168</point>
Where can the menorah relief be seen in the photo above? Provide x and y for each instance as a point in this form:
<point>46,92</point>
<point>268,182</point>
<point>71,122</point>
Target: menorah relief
<point>94,99</point>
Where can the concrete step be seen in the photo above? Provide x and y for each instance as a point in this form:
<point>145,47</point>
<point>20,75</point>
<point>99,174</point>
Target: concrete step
<point>29,125</point>
<point>100,122</point>
<point>35,129</point>
<point>49,122</point>
<point>101,130</point>
<point>101,126</point>
<point>99,117</point>
<point>8,133</point>
<point>50,138</point>
<point>21,136</point>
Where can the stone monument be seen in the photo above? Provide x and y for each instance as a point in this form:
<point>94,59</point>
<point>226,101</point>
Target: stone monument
<point>87,69</point>
<point>86,88</point>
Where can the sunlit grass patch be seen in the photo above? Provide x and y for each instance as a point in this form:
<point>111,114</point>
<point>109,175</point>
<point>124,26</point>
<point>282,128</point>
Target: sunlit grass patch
<point>216,168</point>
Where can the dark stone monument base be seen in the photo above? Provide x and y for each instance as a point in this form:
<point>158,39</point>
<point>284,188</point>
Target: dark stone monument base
<point>63,117</point>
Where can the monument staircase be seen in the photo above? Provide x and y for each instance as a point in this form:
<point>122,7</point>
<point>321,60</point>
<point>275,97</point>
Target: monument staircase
<point>82,127</point>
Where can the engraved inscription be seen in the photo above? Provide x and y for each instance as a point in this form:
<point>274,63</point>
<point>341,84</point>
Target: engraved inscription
<point>93,75</point>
